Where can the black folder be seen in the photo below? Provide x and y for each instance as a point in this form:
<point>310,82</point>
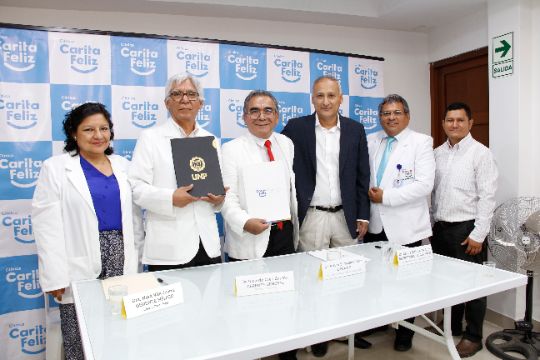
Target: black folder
<point>196,162</point>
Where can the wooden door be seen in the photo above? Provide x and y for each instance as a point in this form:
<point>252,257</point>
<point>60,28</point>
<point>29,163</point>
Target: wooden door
<point>461,78</point>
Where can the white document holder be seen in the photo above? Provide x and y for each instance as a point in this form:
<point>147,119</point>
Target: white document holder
<point>267,191</point>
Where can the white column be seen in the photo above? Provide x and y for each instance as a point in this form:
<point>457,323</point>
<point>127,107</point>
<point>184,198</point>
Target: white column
<point>514,110</point>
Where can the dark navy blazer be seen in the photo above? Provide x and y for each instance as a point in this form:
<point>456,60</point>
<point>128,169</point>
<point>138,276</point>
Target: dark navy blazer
<point>353,167</point>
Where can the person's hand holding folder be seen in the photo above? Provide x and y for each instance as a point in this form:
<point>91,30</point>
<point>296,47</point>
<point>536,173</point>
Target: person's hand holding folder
<point>182,197</point>
<point>256,226</point>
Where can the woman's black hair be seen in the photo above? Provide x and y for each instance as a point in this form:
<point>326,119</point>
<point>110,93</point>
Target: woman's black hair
<point>74,118</point>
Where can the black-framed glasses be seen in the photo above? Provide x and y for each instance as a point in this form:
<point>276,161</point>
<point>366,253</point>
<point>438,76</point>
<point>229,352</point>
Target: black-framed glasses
<point>255,113</point>
<point>177,95</point>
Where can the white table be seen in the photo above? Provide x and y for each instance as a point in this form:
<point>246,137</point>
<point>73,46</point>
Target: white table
<point>214,324</point>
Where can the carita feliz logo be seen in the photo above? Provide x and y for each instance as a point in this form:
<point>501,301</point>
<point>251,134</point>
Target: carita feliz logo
<point>291,70</point>
<point>71,102</point>
<point>368,76</point>
<point>333,69</point>
<point>27,282</point>
<point>245,66</point>
<point>142,114</point>
<point>22,173</point>
<point>289,112</point>
<point>237,109</point>
<point>32,340</point>
<point>83,58</point>
<point>141,61</point>
<point>197,62</point>
<point>21,114</point>
<point>19,56</point>
<point>368,117</point>
<point>203,116</point>
<point>20,225</point>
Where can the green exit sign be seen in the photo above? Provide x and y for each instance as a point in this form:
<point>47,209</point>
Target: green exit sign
<point>502,50</point>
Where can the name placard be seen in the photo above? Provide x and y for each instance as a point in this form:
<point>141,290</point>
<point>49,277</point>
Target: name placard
<point>148,301</point>
<point>342,267</point>
<point>413,255</point>
<point>266,283</point>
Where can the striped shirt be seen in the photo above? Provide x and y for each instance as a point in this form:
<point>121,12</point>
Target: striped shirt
<point>465,185</point>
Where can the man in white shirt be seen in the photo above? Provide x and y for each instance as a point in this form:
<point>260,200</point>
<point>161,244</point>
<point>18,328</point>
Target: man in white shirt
<point>332,176</point>
<point>248,237</point>
<point>181,229</point>
<point>463,202</point>
<point>402,173</point>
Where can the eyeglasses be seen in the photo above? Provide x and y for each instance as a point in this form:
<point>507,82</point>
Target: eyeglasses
<point>179,95</point>
<point>255,113</point>
<point>396,113</point>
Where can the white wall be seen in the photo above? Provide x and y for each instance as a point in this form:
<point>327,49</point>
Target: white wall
<point>459,36</point>
<point>406,68</point>
<point>513,134</point>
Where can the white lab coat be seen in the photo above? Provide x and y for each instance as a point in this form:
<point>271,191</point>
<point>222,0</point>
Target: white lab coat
<point>65,224</point>
<point>172,233</point>
<point>236,155</point>
<point>407,183</point>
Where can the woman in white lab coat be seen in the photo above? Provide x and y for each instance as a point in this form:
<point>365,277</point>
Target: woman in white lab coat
<point>84,221</point>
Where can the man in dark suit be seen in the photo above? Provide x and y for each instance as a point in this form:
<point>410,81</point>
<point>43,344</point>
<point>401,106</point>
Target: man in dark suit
<point>331,164</point>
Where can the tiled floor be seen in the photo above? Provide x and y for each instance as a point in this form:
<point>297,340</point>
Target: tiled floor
<point>382,349</point>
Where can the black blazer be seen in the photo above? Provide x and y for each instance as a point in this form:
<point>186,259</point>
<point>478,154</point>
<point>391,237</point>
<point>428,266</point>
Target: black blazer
<point>353,167</point>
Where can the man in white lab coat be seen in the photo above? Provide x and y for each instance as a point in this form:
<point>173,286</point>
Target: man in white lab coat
<point>181,230</point>
<point>402,174</point>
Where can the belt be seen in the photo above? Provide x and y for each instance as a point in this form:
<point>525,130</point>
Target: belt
<point>331,209</point>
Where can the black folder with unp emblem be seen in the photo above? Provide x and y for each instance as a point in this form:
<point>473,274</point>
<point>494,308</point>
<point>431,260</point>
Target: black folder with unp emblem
<point>196,162</point>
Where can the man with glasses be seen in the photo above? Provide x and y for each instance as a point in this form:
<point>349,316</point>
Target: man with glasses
<point>402,174</point>
<point>181,230</point>
<point>332,176</point>
<point>248,237</point>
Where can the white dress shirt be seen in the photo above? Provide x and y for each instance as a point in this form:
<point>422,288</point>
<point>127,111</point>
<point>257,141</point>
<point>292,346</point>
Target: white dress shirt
<point>382,146</point>
<point>327,189</point>
<point>465,185</point>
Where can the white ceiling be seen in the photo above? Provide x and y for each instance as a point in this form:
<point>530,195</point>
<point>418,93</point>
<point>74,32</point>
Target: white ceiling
<point>404,15</point>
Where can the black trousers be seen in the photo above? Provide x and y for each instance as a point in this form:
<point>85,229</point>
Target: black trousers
<point>201,258</point>
<point>280,242</point>
<point>402,333</point>
<point>447,239</point>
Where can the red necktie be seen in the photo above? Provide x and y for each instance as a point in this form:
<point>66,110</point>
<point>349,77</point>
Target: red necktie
<point>268,146</point>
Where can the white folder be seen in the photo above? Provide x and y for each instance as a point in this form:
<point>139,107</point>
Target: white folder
<point>267,191</point>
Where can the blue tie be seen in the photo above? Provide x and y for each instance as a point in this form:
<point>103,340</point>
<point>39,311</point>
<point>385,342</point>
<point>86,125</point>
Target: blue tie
<point>384,159</point>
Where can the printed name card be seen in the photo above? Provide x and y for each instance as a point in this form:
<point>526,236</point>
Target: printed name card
<point>413,255</point>
<point>266,283</point>
<point>148,301</point>
<point>345,266</point>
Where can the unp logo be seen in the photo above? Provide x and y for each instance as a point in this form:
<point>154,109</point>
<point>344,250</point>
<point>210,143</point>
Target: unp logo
<point>31,339</point>
<point>197,164</point>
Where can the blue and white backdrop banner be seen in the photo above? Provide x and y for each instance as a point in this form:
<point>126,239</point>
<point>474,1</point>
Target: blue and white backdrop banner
<point>44,74</point>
